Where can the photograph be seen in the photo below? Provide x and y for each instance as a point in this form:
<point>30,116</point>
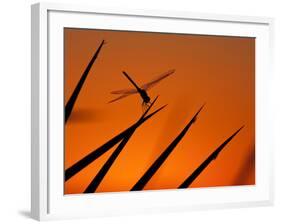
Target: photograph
<point>157,111</point>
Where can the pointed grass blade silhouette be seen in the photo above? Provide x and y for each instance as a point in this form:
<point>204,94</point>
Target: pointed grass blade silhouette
<point>105,168</point>
<point>212,157</point>
<point>81,164</point>
<point>165,154</point>
<point>70,103</point>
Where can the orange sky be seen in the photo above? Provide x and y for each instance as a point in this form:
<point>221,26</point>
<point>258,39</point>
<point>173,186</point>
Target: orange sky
<point>216,70</point>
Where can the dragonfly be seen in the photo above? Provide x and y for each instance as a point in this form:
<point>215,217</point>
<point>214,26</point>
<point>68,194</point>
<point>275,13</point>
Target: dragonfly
<point>141,90</point>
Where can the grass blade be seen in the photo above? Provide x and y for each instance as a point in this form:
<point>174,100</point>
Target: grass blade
<point>70,103</point>
<point>212,157</point>
<point>161,159</point>
<point>92,156</point>
<point>105,168</point>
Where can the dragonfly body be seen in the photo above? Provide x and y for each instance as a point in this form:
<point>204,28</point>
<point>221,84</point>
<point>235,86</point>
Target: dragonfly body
<point>144,96</point>
<point>141,90</point>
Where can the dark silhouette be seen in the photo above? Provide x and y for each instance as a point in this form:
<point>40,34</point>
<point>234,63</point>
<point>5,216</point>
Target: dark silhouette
<point>70,104</point>
<point>81,164</point>
<point>212,157</point>
<point>161,159</point>
<point>142,91</point>
<point>105,168</point>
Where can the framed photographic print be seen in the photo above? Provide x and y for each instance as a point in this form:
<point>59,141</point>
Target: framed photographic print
<point>145,111</point>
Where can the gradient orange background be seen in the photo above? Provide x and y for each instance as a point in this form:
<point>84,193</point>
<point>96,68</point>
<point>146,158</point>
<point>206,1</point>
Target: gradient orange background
<point>216,70</point>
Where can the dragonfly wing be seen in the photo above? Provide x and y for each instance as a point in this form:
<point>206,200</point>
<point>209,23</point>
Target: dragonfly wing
<point>124,91</point>
<point>119,98</point>
<point>152,83</point>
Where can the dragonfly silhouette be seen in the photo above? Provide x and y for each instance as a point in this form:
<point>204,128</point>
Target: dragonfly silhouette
<point>142,90</point>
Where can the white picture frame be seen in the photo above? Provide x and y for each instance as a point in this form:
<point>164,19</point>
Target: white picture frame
<point>48,201</point>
